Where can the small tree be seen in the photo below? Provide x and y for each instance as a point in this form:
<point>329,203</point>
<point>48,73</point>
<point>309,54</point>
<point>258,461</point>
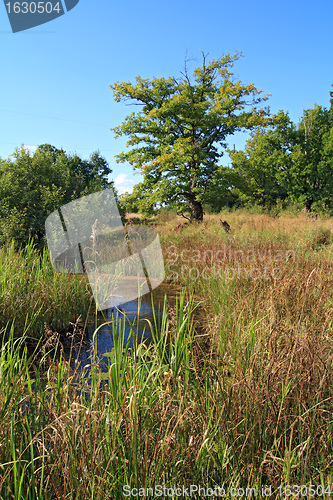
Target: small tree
<point>176,134</point>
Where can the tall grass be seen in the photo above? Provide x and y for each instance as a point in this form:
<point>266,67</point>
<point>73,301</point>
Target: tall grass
<point>234,392</point>
<point>33,295</point>
<point>166,415</point>
<point>64,435</point>
<point>268,296</point>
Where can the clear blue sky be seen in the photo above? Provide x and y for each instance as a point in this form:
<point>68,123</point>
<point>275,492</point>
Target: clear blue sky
<point>55,78</point>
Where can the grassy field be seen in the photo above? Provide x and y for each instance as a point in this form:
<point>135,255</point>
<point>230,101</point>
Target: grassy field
<point>235,391</point>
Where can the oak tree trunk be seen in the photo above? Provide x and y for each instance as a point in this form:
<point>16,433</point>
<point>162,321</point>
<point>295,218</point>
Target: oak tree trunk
<point>196,211</point>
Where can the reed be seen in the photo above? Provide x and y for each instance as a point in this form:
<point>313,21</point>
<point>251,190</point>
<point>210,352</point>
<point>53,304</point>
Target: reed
<point>33,296</point>
<point>235,390</point>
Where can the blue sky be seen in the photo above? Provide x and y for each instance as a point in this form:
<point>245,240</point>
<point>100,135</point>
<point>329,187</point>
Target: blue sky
<point>55,78</point>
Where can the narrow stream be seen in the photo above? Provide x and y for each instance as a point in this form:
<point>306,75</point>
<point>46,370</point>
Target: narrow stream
<point>100,331</point>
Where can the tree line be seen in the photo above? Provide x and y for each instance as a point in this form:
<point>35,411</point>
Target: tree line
<point>33,185</point>
<point>287,163</point>
<point>176,139</point>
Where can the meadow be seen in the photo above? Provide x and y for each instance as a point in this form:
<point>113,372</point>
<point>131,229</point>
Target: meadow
<point>234,394</point>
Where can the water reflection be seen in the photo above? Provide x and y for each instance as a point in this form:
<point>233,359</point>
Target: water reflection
<point>132,319</point>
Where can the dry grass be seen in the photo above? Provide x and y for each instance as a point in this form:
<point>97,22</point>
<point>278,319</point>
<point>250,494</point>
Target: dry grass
<point>267,289</point>
<point>237,393</point>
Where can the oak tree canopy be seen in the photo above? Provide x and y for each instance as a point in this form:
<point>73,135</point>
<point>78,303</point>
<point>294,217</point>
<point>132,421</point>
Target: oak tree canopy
<point>179,133</point>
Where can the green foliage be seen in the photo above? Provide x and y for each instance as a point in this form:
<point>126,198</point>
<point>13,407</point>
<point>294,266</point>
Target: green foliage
<point>128,203</point>
<point>258,173</point>
<point>34,185</point>
<point>174,138</point>
<point>311,167</point>
<point>288,162</point>
<point>221,192</point>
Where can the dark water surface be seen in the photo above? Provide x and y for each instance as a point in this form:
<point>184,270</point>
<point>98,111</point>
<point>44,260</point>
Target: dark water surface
<point>116,321</point>
<point>134,315</point>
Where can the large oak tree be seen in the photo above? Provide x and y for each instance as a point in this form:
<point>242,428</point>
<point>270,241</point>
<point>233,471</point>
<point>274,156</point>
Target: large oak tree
<point>180,131</point>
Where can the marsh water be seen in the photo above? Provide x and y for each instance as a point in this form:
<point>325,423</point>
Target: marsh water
<point>130,320</point>
<point>133,320</point>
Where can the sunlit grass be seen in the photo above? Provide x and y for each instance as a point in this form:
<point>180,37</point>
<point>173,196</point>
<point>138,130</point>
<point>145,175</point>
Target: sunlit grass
<point>33,295</point>
<point>235,390</point>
